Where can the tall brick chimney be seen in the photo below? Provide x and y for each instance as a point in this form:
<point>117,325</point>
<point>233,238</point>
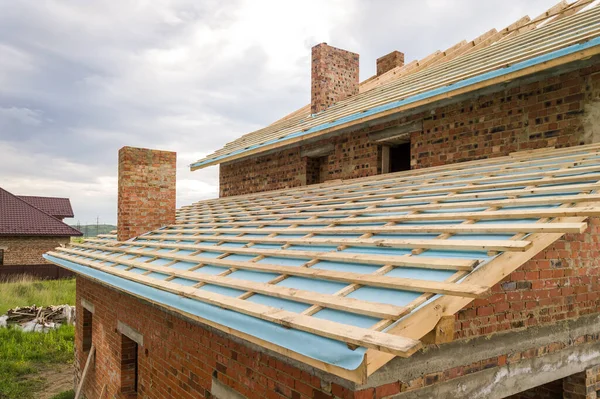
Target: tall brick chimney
<point>334,76</point>
<point>389,61</point>
<point>146,191</point>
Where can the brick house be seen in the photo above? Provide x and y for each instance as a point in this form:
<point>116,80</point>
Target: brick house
<point>31,226</point>
<point>431,232</point>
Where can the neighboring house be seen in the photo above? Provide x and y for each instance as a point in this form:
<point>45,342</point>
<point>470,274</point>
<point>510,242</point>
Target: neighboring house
<point>321,274</point>
<point>31,226</point>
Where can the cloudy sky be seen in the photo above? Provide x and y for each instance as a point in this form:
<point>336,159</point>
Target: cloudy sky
<point>81,79</point>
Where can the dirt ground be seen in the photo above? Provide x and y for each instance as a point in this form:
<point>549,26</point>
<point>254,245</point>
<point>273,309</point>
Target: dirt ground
<point>58,379</point>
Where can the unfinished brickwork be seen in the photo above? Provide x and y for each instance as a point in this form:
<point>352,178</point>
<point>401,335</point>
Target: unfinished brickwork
<point>584,385</point>
<point>353,156</point>
<point>334,76</point>
<point>556,111</point>
<point>28,250</point>
<point>561,111</point>
<point>389,62</point>
<point>147,192</point>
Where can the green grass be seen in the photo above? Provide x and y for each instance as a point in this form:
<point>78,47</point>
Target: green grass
<point>23,355</point>
<point>65,395</point>
<point>25,291</point>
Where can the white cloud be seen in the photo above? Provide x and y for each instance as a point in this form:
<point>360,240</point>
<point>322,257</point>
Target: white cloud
<point>82,79</point>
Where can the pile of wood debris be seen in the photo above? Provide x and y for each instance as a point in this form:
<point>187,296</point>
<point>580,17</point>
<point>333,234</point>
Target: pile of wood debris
<point>34,318</point>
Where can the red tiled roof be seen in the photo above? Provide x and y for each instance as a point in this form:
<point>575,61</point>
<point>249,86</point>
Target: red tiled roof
<point>57,207</point>
<point>19,218</point>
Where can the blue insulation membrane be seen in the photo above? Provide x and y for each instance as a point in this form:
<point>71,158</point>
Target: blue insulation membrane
<point>421,96</point>
<point>324,349</point>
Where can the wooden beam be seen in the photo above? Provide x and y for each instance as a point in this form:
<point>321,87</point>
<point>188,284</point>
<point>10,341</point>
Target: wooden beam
<point>460,245</point>
<point>426,228</point>
<point>86,369</point>
<point>442,333</point>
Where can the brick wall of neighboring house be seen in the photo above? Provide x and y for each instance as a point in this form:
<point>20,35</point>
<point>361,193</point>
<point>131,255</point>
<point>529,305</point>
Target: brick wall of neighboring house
<point>559,111</point>
<point>562,282</point>
<point>146,191</point>
<point>353,156</point>
<point>28,250</point>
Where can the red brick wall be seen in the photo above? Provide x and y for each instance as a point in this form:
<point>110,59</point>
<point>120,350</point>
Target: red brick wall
<point>28,250</point>
<point>353,156</point>
<point>178,358</point>
<point>334,76</point>
<point>562,282</point>
<point>557,111</point>
<point>550,112</point>
<point>146,191</point>
<point>389,61</point>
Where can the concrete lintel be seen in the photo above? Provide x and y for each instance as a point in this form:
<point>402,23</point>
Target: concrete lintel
<point>87,305</point>
<point>464,352</point>
<point>500,382</point>
<point>318,152</point>
<point>130,333</point>
<point>397,133</point>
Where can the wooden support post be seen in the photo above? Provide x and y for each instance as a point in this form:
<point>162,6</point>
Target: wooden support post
<point>442,333</point>
<point>88,363</point>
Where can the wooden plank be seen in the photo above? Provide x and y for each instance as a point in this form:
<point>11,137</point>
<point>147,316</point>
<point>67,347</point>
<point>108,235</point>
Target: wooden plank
<point>367,259</point>
<point>397,283</point>
<point>86,369</point>
<point>427,228</point>
<point>459,245</point>
<point>396,345</point>
<point>442,333</point>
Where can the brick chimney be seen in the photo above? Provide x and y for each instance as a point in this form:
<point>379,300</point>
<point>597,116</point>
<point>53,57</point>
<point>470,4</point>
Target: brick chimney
<point>389,61</point>
<point>146,191</point>
<point>334,76</point>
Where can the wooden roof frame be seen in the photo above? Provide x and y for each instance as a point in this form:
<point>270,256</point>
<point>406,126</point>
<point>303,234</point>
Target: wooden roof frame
<point>406,324</point>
